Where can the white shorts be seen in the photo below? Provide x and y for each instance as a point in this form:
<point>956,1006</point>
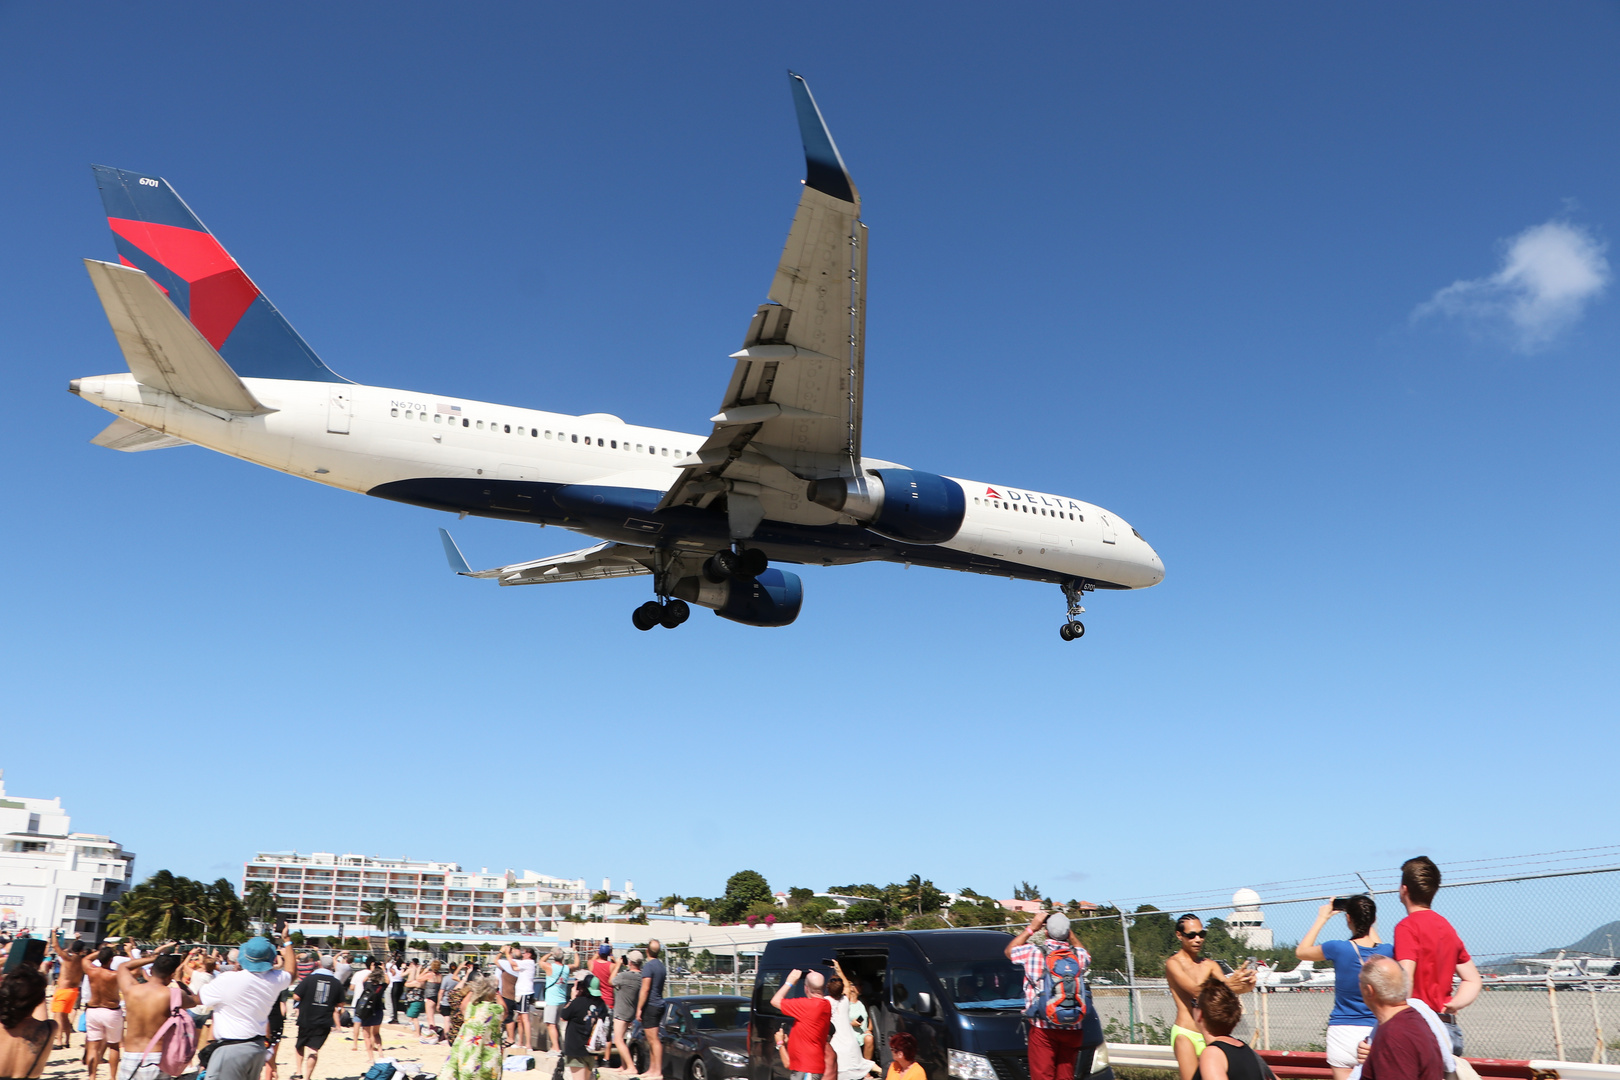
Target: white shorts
<point>1341,1044</point>
<point>141,1067</point>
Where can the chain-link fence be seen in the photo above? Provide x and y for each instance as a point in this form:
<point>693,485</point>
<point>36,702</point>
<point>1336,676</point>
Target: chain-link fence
<point>1544,932</point>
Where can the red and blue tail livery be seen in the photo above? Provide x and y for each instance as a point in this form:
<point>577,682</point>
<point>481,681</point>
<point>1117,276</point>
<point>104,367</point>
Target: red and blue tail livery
<point>156,232</point>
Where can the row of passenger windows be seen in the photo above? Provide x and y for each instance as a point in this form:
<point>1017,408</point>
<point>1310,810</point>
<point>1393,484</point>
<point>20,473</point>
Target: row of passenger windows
<point>534,433</point>
<point>1028,509</point>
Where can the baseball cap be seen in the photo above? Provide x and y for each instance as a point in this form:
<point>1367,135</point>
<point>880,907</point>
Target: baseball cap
<point>604,950</point>
<point>634,956</point>
<point>256,954</point>
<point>1057,926</point>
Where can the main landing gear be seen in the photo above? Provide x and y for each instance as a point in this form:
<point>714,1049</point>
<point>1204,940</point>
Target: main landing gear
<point>1074,629</point>
<point>668,614</point>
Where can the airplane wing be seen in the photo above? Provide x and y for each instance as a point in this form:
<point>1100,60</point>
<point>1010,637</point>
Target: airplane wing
<point>792,411</point>
<point>607,560</point>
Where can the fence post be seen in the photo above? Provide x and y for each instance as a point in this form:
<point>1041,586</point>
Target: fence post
<point>1599,1051</point>
<point>1558,1029</point>
<point>1130,972</point>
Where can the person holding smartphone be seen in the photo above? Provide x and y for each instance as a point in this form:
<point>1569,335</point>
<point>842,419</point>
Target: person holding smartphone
<point>1351,1020</point>
<point>1186,972</point>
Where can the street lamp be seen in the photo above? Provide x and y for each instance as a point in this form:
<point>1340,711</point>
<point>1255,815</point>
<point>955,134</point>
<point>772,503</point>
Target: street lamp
<point>200,923</point>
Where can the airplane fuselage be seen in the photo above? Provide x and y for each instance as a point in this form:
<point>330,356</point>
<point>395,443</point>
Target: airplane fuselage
<point>597,475</point>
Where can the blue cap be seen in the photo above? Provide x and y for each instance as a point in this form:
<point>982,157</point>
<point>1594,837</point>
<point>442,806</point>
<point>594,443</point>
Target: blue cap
<point>256,954</point>
<point>604,950</point>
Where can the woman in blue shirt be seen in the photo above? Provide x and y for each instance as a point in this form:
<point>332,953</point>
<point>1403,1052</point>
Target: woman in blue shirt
<point>1351,1020</point>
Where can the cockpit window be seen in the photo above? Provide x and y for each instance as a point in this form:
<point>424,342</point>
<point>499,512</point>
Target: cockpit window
<point>1137,534</point>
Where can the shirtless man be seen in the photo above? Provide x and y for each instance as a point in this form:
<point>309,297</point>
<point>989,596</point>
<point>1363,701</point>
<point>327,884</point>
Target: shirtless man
<point>103,1022</point>
<point>66,997</point>
<point>1186,972</point>
<point>146,1007</point>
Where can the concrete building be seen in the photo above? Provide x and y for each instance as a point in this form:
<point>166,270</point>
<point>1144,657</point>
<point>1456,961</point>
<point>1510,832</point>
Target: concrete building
<point>325,894</point>
<point>1247,923</point>
<point>52,878</point>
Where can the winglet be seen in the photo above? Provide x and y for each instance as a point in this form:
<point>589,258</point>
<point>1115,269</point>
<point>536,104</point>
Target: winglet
<point>453,553</point>
<point>824,168</point>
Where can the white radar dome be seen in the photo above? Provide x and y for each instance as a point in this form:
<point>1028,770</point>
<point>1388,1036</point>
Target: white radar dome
<point>1245,898</point>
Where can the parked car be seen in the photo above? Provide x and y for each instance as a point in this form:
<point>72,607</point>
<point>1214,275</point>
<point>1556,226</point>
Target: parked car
<point>705,1037</point>
<point>954,990</point>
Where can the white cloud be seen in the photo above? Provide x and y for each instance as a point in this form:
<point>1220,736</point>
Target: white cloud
<point>1550,273</point>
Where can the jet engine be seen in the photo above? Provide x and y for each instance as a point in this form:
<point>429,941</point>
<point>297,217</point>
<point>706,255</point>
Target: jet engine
<point>771,599</point>
<point>916,507</point>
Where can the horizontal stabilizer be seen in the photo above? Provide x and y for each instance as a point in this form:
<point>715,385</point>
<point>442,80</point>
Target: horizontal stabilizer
<point>125,434</point>
<point>607,560</point>
<point>162,347</point>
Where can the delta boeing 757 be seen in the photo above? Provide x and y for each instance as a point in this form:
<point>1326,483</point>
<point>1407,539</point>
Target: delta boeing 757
<point>779,478</point>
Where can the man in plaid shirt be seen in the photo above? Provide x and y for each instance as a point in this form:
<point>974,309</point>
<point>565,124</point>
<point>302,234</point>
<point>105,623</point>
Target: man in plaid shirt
<point>1052,1050</point>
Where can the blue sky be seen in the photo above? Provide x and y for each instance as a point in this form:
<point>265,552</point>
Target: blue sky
<point>1199,265</point>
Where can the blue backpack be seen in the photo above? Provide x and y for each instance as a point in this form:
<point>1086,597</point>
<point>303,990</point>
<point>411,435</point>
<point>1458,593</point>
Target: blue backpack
<point>1060,996</point>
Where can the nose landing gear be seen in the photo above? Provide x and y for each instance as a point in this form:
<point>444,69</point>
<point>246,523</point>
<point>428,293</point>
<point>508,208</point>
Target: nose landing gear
<point>1074,629</point>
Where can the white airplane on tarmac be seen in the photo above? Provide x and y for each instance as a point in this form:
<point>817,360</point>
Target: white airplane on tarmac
<point>780,476</point>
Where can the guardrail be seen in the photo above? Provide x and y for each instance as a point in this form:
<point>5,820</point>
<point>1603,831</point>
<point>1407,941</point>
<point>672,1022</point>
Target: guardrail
<point>1312,1065</point>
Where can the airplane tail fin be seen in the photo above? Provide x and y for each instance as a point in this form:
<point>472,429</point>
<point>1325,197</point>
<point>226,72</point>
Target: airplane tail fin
<point>156,232</point>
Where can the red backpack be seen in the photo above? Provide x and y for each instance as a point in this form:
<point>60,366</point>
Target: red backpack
<point>177,1038</point>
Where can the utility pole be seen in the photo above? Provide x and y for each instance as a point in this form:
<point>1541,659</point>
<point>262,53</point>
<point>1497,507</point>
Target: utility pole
<point>1130,970</point>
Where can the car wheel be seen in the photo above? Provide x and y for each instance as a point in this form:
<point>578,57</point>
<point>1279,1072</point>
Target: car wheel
<point>698,1071</point>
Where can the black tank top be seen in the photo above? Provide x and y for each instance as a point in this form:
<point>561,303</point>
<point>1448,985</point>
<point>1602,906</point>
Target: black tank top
<point>1242,1063</point>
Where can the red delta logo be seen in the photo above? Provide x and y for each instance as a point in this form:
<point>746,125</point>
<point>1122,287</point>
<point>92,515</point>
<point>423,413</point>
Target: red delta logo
<point>992,493</point>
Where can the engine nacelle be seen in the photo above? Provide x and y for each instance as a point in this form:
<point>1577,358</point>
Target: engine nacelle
<point>771,599</point>
<point>917,507</point>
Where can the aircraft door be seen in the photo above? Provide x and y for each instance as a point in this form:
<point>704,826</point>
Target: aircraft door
<point>339,409</point>
<point>1107,528</point>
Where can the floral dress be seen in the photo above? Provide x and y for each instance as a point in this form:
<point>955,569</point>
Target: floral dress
<point>476,1053</point>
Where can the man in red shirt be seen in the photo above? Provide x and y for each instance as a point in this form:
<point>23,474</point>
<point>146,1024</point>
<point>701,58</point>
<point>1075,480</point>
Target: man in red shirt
<point>1403,1044</point>
<point>812,1015</point>
<point>1430,951</point>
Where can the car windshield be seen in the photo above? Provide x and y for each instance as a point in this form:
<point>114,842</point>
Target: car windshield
<point>720,1017</point>
<point>985,983</point>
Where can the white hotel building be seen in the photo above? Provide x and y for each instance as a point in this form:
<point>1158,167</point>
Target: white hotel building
<point>324,894</point>
<point>52,878</point>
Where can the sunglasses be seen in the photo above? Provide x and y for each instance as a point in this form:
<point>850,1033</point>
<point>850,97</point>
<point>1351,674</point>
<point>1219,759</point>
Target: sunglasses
<point>1195,933</point>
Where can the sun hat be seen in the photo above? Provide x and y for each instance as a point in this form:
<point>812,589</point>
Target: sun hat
<point>257,954</point>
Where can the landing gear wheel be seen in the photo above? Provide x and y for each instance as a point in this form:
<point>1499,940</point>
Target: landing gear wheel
<point>674,613</point>
<point>1072,631</point>
<point>752,563</point>
<point>720,566</point>
<point>647,615</point>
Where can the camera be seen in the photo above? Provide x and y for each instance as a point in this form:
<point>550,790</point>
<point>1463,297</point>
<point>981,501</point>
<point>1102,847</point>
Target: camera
<point>1340,903</point>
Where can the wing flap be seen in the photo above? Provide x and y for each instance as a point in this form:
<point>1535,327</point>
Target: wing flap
<point>125,434</point>
<point>162,347</point>
<point>606,560</point>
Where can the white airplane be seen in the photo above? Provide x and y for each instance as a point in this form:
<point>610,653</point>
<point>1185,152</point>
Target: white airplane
<point>779,477</point>
<point>1303,977</point>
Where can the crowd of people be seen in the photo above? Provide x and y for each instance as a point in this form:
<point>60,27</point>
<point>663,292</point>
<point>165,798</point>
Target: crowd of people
<point>149,1017</point>
<point>236,1005</point>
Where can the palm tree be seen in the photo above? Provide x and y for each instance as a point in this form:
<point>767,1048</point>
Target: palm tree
<point>669,901</point>
<point>600,896</point>
<point>261,903</point>
<point>224,917</point>
<point>384,915</point>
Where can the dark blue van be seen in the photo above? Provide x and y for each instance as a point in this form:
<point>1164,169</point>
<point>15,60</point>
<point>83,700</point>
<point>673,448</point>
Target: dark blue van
<point>954,990</point>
